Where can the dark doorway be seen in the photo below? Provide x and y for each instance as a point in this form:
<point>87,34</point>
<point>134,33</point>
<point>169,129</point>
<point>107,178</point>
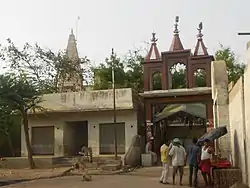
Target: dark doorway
<point>107,140</point>
<point>75,136</point>
<point>42,140</point>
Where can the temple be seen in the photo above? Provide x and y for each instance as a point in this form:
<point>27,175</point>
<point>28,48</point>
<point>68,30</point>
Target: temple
<point>177,90</point>
<point>72,81</point>
<point>76,116</point>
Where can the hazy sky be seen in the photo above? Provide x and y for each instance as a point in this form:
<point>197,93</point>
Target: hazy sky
<point>124,24</point>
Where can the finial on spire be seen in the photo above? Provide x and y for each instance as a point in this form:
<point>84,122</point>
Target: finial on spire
<point>72,32</point>
<point>200,48</point>
<point>153,53</point>
<point>176,42</point>
<point>154,39</point>
<point>176,31</point>
<point>200,27</point>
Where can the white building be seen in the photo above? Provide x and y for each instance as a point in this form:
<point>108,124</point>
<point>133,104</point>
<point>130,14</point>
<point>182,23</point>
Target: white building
<point>80,118</point>
<point>76,118</point>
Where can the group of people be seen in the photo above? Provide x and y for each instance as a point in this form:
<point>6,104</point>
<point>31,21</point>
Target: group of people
<point>196,156</point>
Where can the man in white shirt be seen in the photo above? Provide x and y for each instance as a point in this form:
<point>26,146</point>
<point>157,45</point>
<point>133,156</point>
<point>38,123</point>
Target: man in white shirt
<point>178,155</point>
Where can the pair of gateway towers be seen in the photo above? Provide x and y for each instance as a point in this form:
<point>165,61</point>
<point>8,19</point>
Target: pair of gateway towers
<point>156,62</point>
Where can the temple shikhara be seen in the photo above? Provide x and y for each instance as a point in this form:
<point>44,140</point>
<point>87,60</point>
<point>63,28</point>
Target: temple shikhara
<point>177,90</point>
<point>73,81</point>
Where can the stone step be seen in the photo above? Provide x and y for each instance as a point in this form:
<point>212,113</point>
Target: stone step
<point>64,161</point>
<point>104,163</point>
<point>95,159</point>
<point>110,167</point>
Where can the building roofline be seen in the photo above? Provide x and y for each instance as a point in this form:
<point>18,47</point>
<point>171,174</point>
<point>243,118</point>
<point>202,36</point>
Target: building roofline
<point>48,111</point>
<point>177,92</point>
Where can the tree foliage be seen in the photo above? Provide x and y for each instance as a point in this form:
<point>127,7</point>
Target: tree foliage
<point>200,78</point>
<point>178,75</point>
<point>128,72</point>
<point>103,74</point>
<point>6,124</point>
<point>134,64</point>
<point>19,95</point>
<point>234,69</point>
<point>10,135</point>
<point>157,81</point>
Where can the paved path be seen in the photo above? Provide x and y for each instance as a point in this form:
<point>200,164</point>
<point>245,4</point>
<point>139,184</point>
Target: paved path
<point>114,181</point>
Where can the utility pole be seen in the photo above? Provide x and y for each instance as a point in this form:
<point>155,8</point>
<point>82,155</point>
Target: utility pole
<point>114,102</point>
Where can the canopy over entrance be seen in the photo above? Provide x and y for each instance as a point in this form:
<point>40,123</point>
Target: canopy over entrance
<point>197,110</point>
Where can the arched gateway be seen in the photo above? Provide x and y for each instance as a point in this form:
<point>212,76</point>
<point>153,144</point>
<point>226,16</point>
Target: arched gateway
<point>183,106</point>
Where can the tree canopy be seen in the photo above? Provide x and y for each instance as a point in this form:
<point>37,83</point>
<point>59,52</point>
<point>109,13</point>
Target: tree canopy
<point>128,72</point>
<point>234,69</point>
<point>18,95</point>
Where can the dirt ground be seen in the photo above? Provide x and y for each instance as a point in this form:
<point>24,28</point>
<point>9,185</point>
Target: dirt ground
<point>18,174</point>
<point>146,177</point>
<point>121,181</point>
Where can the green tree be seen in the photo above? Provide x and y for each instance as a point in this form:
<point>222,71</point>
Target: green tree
<point>6,123</point>
<point>234,70</point>
<point>20,95</point>
<point>178,74</point>
<point>128,72</point>
<point>157,81</point>
<point>10,133</point>
<point>103,74</point>
<point>200,78</point>
<point>134,74</point>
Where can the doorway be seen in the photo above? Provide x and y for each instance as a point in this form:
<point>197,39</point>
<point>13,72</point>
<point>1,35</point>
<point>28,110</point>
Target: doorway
<point>75,136</point>
<point>42,140</point>
<point>107,140</point>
